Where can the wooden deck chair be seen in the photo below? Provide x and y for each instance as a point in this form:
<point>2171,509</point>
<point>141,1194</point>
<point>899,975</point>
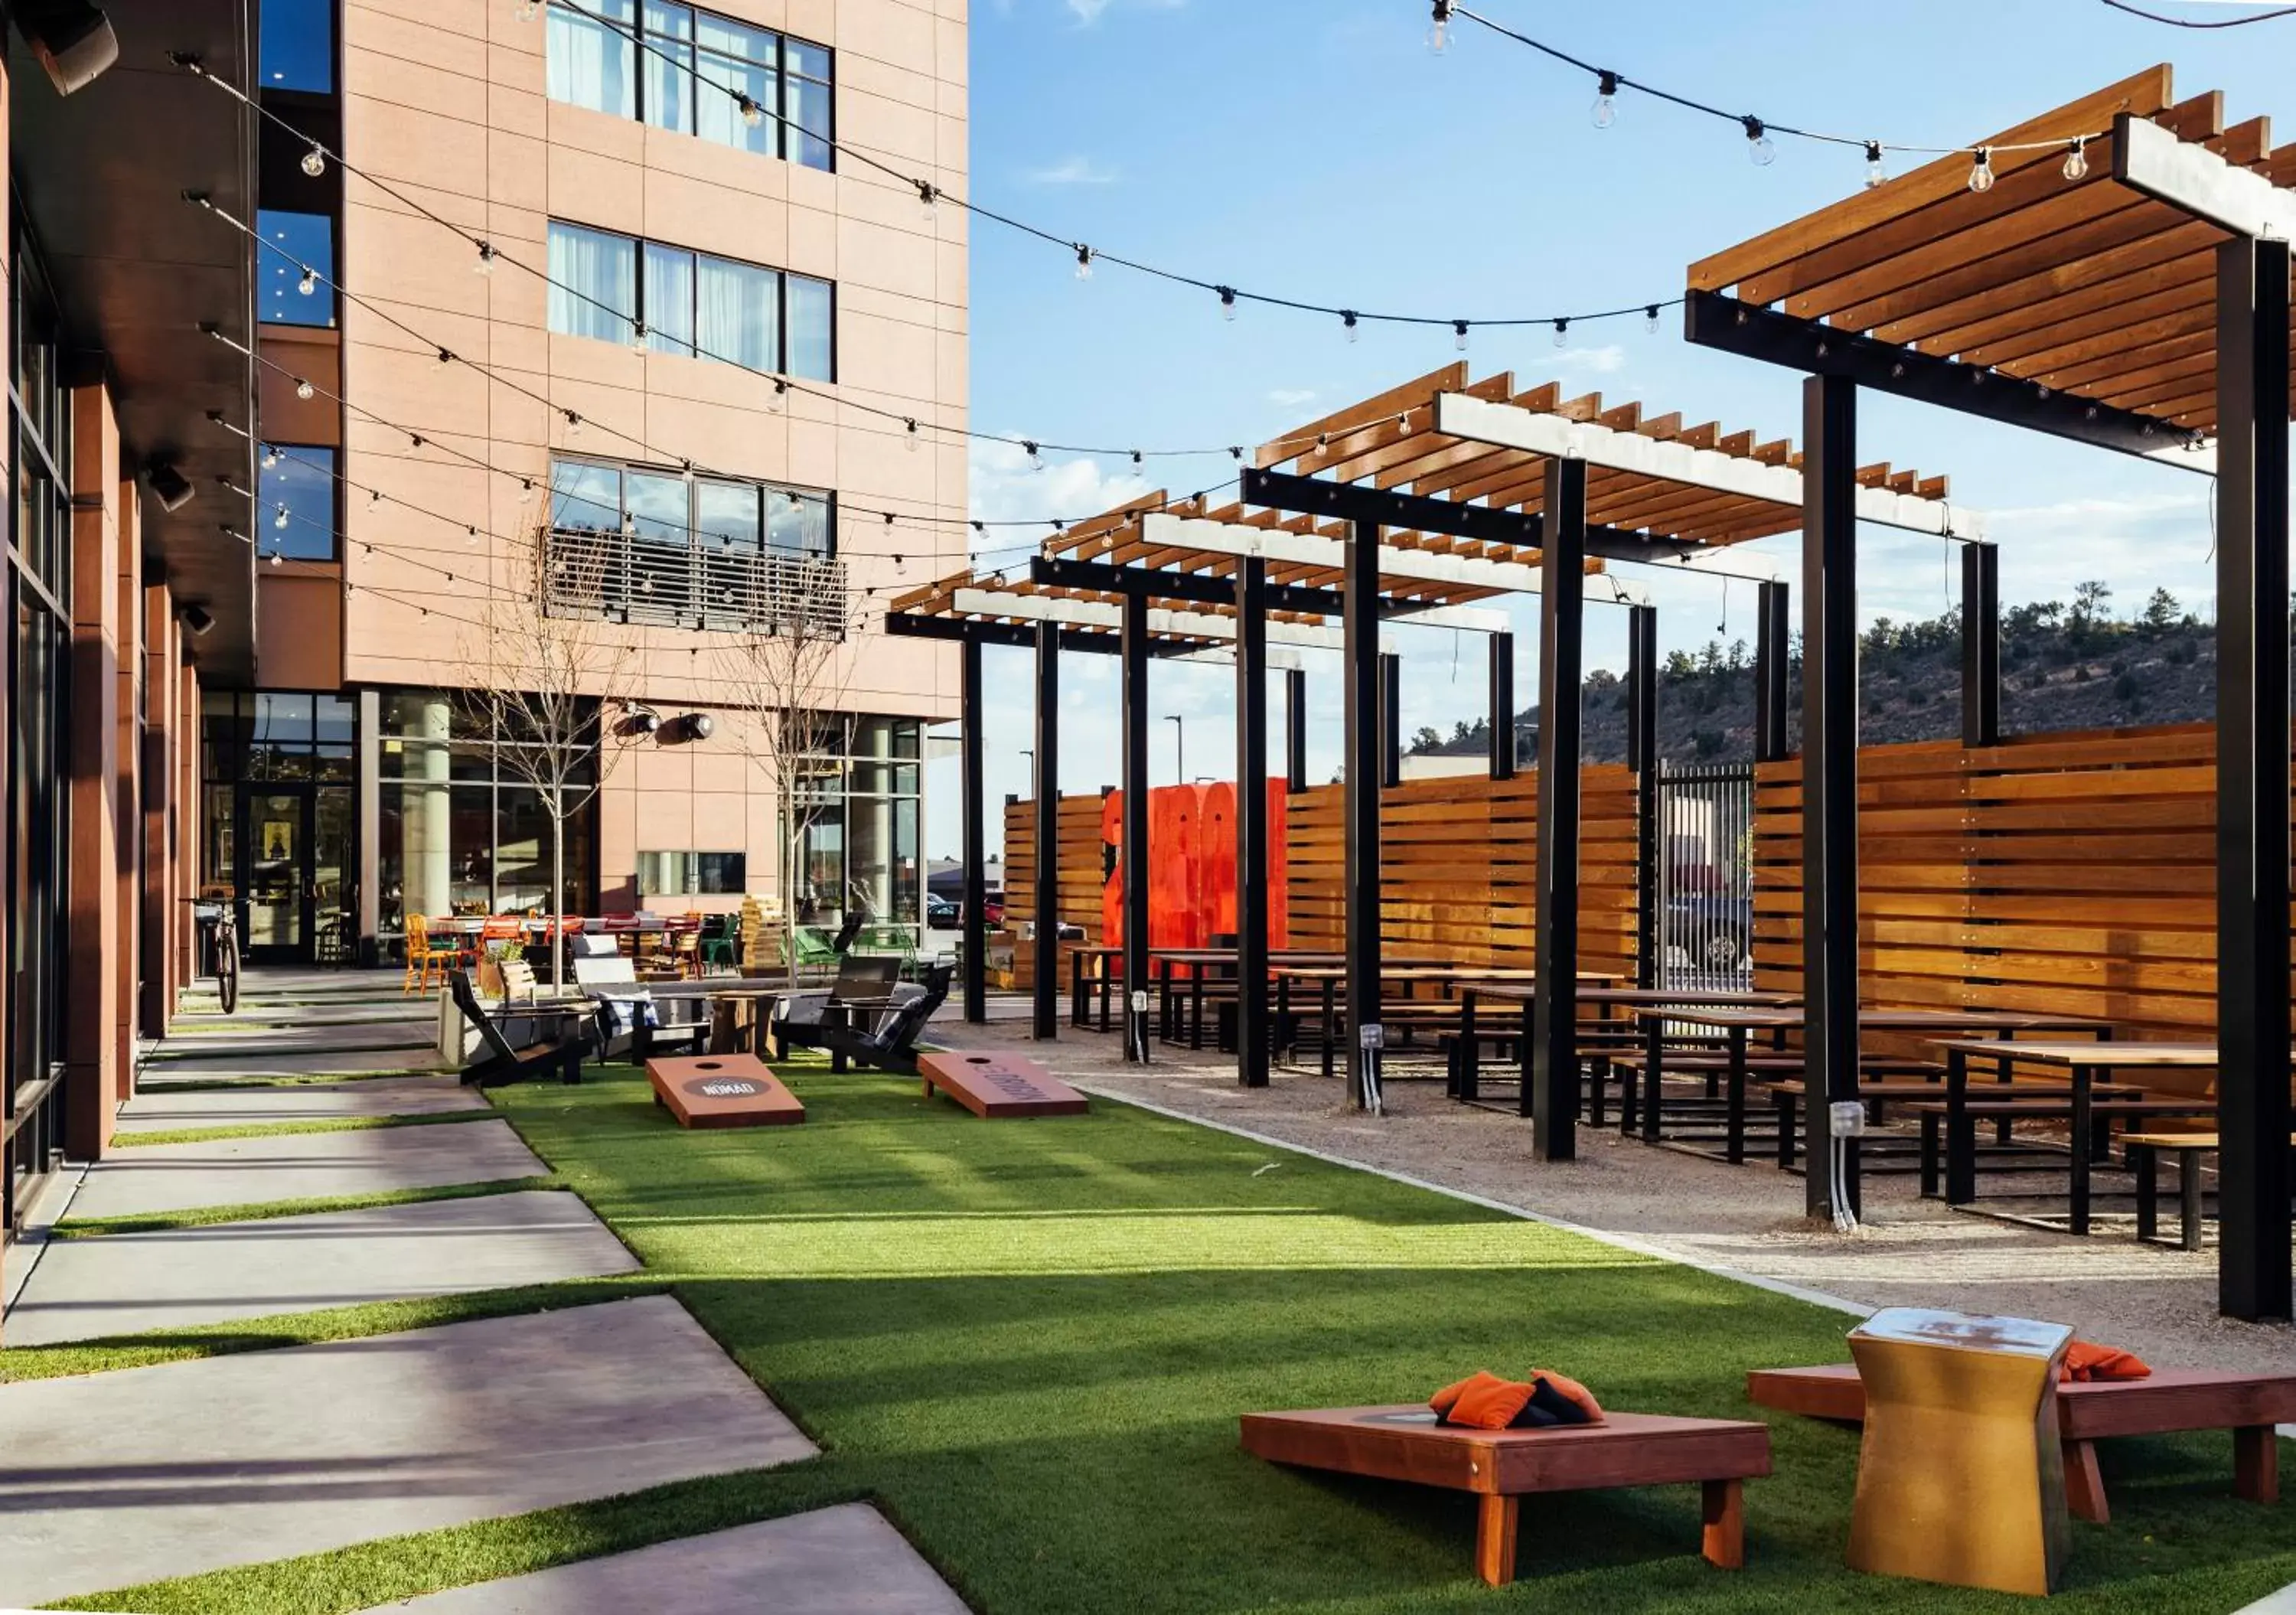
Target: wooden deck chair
<point>890,1044</point>
<point>504,1061</point>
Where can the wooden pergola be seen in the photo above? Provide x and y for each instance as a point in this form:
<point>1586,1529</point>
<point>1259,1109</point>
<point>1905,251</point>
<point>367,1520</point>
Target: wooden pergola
<point>2123,283</point>
<point>1413,505</point>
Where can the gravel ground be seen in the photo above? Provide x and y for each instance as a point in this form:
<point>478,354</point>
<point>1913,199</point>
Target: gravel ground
<point>2156,1301</point>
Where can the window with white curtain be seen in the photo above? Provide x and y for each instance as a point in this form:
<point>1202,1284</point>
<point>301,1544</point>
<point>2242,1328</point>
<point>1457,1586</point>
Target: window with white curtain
<point>692,303</point>
<point>682,69</point>
<point>593,283</point>
<point>593,58</point>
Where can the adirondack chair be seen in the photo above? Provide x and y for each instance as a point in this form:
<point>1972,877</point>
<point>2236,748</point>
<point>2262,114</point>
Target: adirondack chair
<point>506,1062</point>
<point>890,1044</point>
<point>864,982</point>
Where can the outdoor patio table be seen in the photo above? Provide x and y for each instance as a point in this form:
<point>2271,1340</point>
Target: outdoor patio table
<point>1736,1024</point>
<point>1202,964</point>
<point>2085,1061</point>
<point>1608,998</point>
<point>1395,970</point>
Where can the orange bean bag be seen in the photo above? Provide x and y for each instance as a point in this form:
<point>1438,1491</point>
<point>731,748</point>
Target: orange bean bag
<point>2086,1360</point>
<point>1484,1401</point>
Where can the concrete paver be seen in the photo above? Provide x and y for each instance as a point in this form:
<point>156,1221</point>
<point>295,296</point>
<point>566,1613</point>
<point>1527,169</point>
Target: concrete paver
<point>129,1284</point>
<point>842,1560</point>
<point>301,1166</point>
<point>259,1043</point>
<point>161,1110</point>
<point>288,1062</point>
<point>108,1480</point>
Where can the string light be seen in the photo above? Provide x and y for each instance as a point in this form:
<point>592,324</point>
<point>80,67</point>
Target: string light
<point>1876,175</point>
<point>573,423</point>
<point>314,162</point>
<point>525,492</point>
<point>280,519</point>
<point>1562,333</point>
<point>304,389</point>
<point>1440,35</point>
<point>638,338</point>
<point>2077,158</point>
<point>270,456</point>
<point>276,556</point>
<point>1348,319</point>
<point>752,114</point>
<point>309,283</point>
<point>1757,142</point>
<point>913,439</point>
<point>1606,102</point>
<point>486,263</point>
<point>1459,331</point>
<point>527,11</point>
<point>1650,319</point>
<point>1227,301</point>
<point>1036,460</point>
<point>1981,170</point>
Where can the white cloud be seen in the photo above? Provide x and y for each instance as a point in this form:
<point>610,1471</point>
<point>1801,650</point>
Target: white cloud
<point>1291,397</point>
<point>1594,361</point>
<point>1089,11</point>
<point>1073,171</point>
<point>1004,489</point>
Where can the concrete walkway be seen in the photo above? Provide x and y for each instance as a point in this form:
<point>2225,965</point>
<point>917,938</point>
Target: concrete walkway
<point>161,1110</point>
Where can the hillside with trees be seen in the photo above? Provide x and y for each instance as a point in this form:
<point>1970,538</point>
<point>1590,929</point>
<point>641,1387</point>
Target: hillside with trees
<point>2064,666</point>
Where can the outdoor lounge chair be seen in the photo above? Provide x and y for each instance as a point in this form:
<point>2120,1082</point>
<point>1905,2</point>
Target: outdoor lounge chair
<point>865,981</point>
<point>890,1044</point>
<point>506,1062</point>
<point>625,1007</point>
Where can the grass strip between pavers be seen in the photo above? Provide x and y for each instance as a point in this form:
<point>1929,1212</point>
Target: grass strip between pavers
<point>293,1080</point>
<point>323,1124</point>
<point>17,1364</point>
<point>1029,1344</point>
<point>265,1210</point>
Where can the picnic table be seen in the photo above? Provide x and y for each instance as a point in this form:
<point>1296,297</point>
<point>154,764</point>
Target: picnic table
<point>1737,1026</point>
<point>1466,1083</point>
<point>1395,970</point>
<point>2083,1062</point>
<point>1200,962</point>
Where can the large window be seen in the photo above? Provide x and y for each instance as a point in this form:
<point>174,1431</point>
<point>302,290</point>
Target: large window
<point>612,287</point>
<point>678,68</point>
<point>856,829</point>
<point>688,874</point>
<point>295,503</point>
<point>298,46</point>
<point>600,496</point>
<point>460,830</point>
<point>294,267</point>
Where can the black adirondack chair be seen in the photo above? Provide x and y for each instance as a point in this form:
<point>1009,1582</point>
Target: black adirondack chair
<point>506,1062</point>
<point>886,1039</point>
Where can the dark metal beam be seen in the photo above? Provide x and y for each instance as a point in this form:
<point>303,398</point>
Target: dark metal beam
<point>1295,730</point>
<point>1771,657</point>
<point>975,789</point>
<point>972,630</point>
<point>1981,644</point>
<point>1551,1097</point>
<point>1502,707</point>
<point>2252,779</point>
<point>1195,588</point>
<point>1419,512</point>
<point>1642,757</point>
<point>1047,976</point>
<point>1714,321</point>
<point>1252,873</point>
<point>1134,854</point>
<point>1361,792</point>
<point>1829,788</point>
<point>1390,718</point>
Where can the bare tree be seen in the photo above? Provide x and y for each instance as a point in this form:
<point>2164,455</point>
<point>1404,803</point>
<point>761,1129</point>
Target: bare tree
<point>542,670</point>
<point>790,675</point>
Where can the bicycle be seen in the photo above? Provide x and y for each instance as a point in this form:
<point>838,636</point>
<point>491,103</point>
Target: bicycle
<point>220,929</point>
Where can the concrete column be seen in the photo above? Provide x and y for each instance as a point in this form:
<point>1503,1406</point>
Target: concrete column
<point>162,712</point>
<point>92,899</point>
<point>427,821</point>
<point>128,785</point>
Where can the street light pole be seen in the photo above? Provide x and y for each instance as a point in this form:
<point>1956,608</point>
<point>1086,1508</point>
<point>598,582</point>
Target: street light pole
<point>1179,747</point>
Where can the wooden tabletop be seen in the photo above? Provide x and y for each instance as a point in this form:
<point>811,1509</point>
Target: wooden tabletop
<point>1759,1018</point>
<point>1473,975</point>
<point>2102,1056</point>
<point>1630,997</point>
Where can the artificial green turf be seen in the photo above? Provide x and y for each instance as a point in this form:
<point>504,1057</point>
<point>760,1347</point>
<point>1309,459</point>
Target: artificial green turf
<point>1029,1342</point>
<point>291,1079</point>
<point>324,1124</point>
<point>204,1217</point>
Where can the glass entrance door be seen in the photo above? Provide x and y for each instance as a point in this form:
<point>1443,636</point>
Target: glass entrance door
<point>295,863</point>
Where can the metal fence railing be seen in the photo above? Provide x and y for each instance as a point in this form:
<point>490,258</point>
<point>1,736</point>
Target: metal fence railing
<point>1705,876</point>
<point>693,582</point>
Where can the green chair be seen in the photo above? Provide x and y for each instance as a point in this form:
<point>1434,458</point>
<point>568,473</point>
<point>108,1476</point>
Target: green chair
<point>888,942</point>
<point>721,942</point>
<point>814,950</point>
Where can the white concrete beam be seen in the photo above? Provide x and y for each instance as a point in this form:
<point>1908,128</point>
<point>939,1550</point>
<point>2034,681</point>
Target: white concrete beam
<point>1159,530</point>
<point>1201,625</point>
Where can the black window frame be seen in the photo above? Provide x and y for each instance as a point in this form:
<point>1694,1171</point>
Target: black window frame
<point>694,478</point>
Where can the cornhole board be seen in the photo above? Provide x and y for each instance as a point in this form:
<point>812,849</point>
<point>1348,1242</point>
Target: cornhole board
<point>723,1091</point>
<point>1503,1466</point>
<point>2173,1400</point>
<point>999,1087</point>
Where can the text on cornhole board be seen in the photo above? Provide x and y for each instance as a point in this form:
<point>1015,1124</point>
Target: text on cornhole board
<point>723,1091</point>
<point>999,1087</point>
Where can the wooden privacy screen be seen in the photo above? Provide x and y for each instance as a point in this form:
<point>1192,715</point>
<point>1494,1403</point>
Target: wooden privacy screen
<point>1458,856</point>
<point>2064,873</point>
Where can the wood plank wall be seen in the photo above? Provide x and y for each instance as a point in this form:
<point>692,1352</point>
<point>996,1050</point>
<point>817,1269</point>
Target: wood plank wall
<point>1079,878</point>
<point>2070,873</point>
<point>1458,868</point>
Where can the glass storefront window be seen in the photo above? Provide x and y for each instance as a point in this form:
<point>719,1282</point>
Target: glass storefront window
<point>861,813</point>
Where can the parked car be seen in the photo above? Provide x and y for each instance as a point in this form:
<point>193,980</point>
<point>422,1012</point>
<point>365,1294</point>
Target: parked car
<point>1714,929</point>
<point>940,913</point>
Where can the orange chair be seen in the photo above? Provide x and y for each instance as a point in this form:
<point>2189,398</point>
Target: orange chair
<point>425,956</point>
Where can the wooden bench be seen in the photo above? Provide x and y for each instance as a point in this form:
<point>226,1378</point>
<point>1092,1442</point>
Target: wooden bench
<point>723,1091</point>
<point>2144,1150</point>
<point>1959,1152</point>
<point>2171,1402</point>
<point>998,1087</point>
<point>1875,1095</point>
<point>1503,1466</point>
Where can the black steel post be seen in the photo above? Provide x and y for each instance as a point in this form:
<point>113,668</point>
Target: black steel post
<point>1134,858</point>
<point>2252,779</point>
<point>1552,1101</point>
<point>975,788</point>
<point>1390,720</point>
<point>1362,791</point>
<point>1829,748</point>
<point>1252,822</point>
<point>1771,654</point>
<point>1642,757</point>
<point>1048,979</point>
<point>1502,706</point>
<point>1981,644</point>
<point>1295,730</point>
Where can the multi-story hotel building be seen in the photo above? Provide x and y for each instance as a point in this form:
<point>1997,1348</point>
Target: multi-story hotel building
<point>289,447</point>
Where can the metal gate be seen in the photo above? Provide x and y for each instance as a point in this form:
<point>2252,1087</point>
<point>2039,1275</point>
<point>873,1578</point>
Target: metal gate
<point>1704,876</point>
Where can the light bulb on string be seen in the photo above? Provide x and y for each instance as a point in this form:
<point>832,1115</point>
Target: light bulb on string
<point>525,492</point>
<point>752,114</point>
<point>1348,319</point>
<point>527,11</point>
<point>2077,158</point>
<point>638,338</point>
<point>1459,331</point>
<point>276,557</point>
<point>573,424</point>
<point>1036,460</point>
<point>305,391</point>
<point>1440,35</point>
<point>1757,142</point>
<point>914,437</point>
<point>1650,319</point>
<point>314,163</point>
<point>1562,333</point>
<point>1084,262</point>
<point>1606,104</point>
<point>486,263</point>
<point>470,536</point>
<point>1981,170</point>
<point>270,456</point>
<point>280,520</point>
<point>927,195</point>
<point>1228,302</point>
<point>773,399</point>
<point>310,282</point>
<point>1876,175</point>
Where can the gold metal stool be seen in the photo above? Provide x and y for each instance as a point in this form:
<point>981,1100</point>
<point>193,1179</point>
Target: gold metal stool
<point>1961,1477</point>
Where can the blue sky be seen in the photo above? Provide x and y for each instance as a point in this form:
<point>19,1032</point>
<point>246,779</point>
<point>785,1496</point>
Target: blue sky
<point>1315,149</point>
